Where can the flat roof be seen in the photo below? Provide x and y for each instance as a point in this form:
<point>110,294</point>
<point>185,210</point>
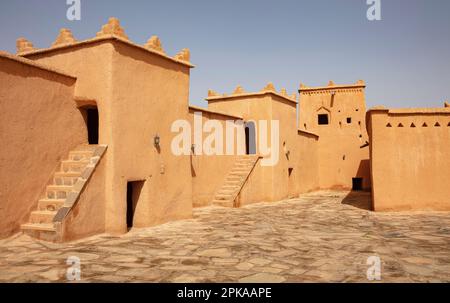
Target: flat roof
<point>244,95</point>
<point>411,111</point>
<point>32,63</point>
<point>100,39</point>
<point>213,112</point>
<point>330,87</point>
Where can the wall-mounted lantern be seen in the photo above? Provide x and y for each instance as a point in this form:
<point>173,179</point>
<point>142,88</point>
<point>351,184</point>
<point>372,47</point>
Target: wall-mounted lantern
<point>156,141</point>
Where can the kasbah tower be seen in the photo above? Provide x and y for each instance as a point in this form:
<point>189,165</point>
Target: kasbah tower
<point>336,113</point>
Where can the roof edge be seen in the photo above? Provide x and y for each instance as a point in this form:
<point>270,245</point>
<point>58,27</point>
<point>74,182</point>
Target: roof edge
<point>243,95</point>
<point>193,107</point>
<point>34,64</point>
<point>410,111</point>
<point>332,87</point>
<point>101,39</point>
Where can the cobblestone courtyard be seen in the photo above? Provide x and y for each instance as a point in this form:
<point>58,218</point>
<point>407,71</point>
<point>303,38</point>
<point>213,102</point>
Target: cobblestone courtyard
<point>321,237</point>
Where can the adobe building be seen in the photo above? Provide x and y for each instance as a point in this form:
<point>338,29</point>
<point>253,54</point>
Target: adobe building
<point>296,156</point>
<point>410,158</point>
<point>91,142</point>
<point>336,113</point>
<point>110,142</point>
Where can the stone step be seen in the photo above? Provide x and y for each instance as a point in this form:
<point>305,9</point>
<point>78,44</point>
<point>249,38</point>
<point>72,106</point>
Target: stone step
<point>224,191</point>
<point>42,216</point>
<point>78,155</point>
<point>243,168</point>
<point>239,174</point>
<point>234,183</point>
<point>73,166</point>
<point>58,191</point>
<point>67,174</point>
<point>38,227</point>
<point>223,203</point>
<point>50,204</point>
<point>246,159</point>
<point>62,180</point>
<point>86,147</point>
<point>233,178</point>
<point>229,186</point>
<point>46,232</point>
<point>245,162</point>
<point>223,197</point>
<point>240,171</point>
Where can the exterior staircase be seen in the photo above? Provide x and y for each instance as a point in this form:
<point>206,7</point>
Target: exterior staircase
<point>66,184</point>
<point>227,194</point>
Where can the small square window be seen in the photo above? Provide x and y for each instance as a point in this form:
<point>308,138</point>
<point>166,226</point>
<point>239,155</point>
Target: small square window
<point>322,119</point>
<point>349,120</point>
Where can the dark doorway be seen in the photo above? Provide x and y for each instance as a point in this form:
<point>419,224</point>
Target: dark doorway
<point>92,124</point>
<point>250,138</point>
<point>133,194</point>
<point>357,184</point>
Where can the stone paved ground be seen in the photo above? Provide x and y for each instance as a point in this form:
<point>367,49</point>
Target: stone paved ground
<point>323,236</point>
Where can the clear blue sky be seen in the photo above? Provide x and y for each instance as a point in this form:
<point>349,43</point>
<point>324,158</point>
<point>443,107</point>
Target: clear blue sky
<point>404,58</point>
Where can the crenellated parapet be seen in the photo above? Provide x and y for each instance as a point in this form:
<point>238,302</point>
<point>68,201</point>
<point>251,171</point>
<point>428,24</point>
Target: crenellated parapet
<point>183,55</point>
<point>65,37</point>
<point>332,88</point>
<point>23,46</point>
<point>212,93</point>
<point>269,88</point>
<point>240,92</point>
<point>284,93</point>
<point>154,43</point>
<point>112,28</point>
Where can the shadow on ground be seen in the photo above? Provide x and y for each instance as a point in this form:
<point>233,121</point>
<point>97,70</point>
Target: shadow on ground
<point>358,199</point>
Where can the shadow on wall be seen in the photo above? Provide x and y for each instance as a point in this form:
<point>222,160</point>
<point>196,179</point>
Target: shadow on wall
<point>193,173</point>
<point>359,199</point>
<point>364,172</point>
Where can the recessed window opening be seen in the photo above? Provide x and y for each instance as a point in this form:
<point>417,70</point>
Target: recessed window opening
<point>322,119</point>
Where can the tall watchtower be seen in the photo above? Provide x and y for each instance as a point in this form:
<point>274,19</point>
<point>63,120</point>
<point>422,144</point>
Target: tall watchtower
<point>337,114</point>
